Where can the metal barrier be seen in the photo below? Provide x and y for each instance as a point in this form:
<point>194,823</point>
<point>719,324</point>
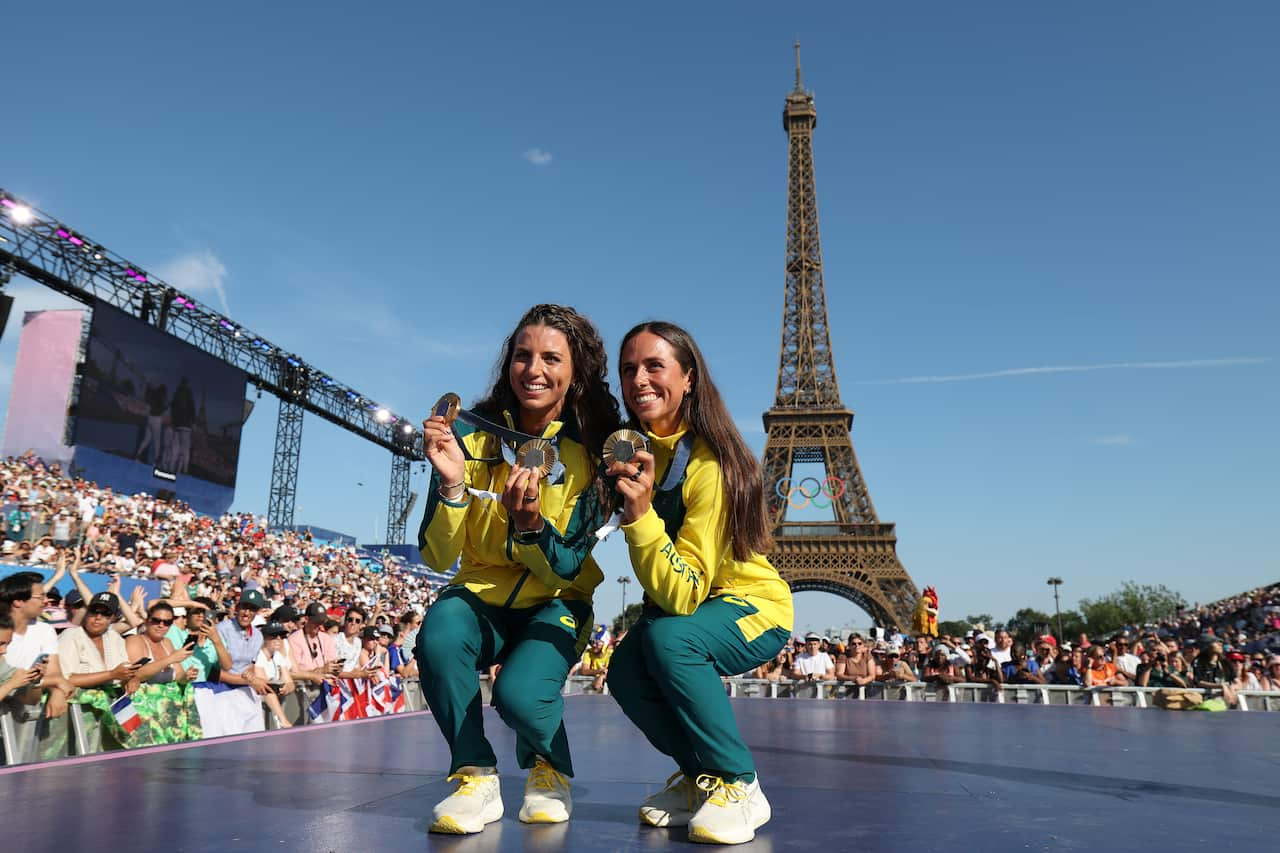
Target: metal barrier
<point>26,736</point>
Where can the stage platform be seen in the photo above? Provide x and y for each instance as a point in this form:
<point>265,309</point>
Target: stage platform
<point>841,775</point>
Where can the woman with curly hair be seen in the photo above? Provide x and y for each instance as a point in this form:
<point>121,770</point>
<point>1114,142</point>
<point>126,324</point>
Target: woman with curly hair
<point>522,593</point>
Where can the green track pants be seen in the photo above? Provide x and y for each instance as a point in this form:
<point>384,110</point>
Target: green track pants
<point>536,646</point>
<point>666,676</point>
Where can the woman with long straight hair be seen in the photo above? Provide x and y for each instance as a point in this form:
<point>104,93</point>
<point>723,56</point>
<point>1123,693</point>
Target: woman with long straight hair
<point>694,518</point>
<point>522,594</point>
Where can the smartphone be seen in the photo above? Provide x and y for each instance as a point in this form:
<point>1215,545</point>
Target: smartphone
<point>142,661</point>
<point>41,660</point>
<point>192,639</point>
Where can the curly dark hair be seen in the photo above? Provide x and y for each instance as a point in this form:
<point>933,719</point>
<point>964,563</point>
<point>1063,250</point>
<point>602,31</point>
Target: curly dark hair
<point>589,405</point>
<point>703,409</point>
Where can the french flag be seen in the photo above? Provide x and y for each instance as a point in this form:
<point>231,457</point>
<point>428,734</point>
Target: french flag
<point>122,710</point>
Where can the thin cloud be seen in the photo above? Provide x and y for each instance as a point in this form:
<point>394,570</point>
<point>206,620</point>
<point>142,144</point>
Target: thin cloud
<point>538,156</point>
<point>197,273</point>
<point>1120,439</point>
<point>1069,368</point>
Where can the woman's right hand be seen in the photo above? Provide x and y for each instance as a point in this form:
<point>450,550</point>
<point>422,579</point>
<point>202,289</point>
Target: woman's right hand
<point>443,451</point>
<point>22,678</point>
<point>124,672</point>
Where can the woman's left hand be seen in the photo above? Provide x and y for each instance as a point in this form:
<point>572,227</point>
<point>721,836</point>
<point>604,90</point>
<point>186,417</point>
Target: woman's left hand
<point>521,498</point>
<point>635,484</point>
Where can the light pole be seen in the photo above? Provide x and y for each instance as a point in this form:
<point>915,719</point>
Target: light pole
<point>1055,583</point>
<point>625,582</point>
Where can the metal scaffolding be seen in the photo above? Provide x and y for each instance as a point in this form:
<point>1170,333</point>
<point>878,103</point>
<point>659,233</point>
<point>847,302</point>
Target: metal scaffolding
<point>38,246</point>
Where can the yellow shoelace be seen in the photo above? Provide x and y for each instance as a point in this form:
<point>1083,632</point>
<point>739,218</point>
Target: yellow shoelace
<point>720,792</point>
<point>470,784</point>
<point>545,777</point>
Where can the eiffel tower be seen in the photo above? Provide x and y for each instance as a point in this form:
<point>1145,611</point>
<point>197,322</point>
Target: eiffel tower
<point>852,555</point>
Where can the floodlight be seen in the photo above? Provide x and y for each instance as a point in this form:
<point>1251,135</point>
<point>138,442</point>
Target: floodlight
<point>408,429</point>
<point>382,416</point>
<point>20,214</point>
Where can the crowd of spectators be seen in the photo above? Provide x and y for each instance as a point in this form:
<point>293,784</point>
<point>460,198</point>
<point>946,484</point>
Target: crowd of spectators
<point>1220,648</point>
<point>242,617</point>
<point>245,616</point>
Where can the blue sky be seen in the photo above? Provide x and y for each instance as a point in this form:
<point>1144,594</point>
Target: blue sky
<point>1002,186</point>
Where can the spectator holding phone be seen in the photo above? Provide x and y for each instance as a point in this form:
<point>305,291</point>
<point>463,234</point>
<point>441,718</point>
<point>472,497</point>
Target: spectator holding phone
<point>273,666</point>
<point>238,710</point>
<point>314,653</point>
<point>161,690</point>
<point>34,644</point>
<point>95,659</point>
<point>12,680</point>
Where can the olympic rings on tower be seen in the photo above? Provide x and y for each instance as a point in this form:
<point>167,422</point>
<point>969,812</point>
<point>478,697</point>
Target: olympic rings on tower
<point>832,489</point>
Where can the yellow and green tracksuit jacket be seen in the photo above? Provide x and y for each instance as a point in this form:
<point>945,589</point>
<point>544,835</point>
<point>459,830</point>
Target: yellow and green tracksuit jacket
<point>683,561</point>
<point>494,566</point>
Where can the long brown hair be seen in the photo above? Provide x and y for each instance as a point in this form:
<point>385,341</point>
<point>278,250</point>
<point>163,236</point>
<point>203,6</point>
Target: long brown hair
<point>589,405</point>
<point>704,411</point>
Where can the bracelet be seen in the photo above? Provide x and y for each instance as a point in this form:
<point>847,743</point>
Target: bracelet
<point>449,495</point>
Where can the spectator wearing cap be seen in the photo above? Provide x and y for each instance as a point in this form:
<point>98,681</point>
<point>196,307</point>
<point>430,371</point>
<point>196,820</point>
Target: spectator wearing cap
<point>1270,680</point>
<point>374,661</point>
<point>312,649</point>
<point>274,667</point>
<point>857,665</point>
<point>237,710</point>
<point>893,669</point>
<point>95,659</point>
<point>595,658</point>
<point>74,606</point>
<point>983,668</point>
<point>1046,648</point>
<point>938,668</point>
<point>813,664</point>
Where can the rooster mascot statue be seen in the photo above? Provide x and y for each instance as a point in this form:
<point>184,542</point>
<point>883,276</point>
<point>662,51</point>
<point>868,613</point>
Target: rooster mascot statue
<point>924,622</point>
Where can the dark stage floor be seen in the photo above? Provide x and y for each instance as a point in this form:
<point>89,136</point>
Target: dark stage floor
<point>841,775</point>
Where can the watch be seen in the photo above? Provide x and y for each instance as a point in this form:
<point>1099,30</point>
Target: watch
<point>528,537</point>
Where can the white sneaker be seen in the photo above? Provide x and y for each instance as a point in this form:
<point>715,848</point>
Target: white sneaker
<point>476,801</point>
<point>732,813</point>
<point>546,795</point>
<point>675,804</point>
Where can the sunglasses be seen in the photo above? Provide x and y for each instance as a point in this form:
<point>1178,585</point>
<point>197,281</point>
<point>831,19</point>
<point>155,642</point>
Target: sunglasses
<point>353,619</point>
<point>97,611</point>
<point>165,622</point>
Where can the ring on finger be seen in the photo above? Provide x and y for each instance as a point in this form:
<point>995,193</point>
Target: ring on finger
<point>530,498</point>
<point>635,478</point>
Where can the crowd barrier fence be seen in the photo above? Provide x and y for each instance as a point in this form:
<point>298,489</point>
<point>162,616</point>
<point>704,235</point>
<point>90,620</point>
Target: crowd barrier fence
<point>27,736</point>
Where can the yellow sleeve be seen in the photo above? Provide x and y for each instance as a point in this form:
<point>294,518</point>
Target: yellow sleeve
<point>677,575</point>
<point>444,525</point>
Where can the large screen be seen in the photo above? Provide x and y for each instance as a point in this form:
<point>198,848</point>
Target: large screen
<point>153,399</point>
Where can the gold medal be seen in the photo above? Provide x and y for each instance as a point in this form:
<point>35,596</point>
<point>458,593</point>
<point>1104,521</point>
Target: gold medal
<point>537,453</point>
<point>447,407</point>
<point>623,445</point>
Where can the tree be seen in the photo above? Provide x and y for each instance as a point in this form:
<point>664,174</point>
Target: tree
<point>1029,623</point>
<point>1132,604</point>
<point>632,613</point>
<point>960,627</point>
